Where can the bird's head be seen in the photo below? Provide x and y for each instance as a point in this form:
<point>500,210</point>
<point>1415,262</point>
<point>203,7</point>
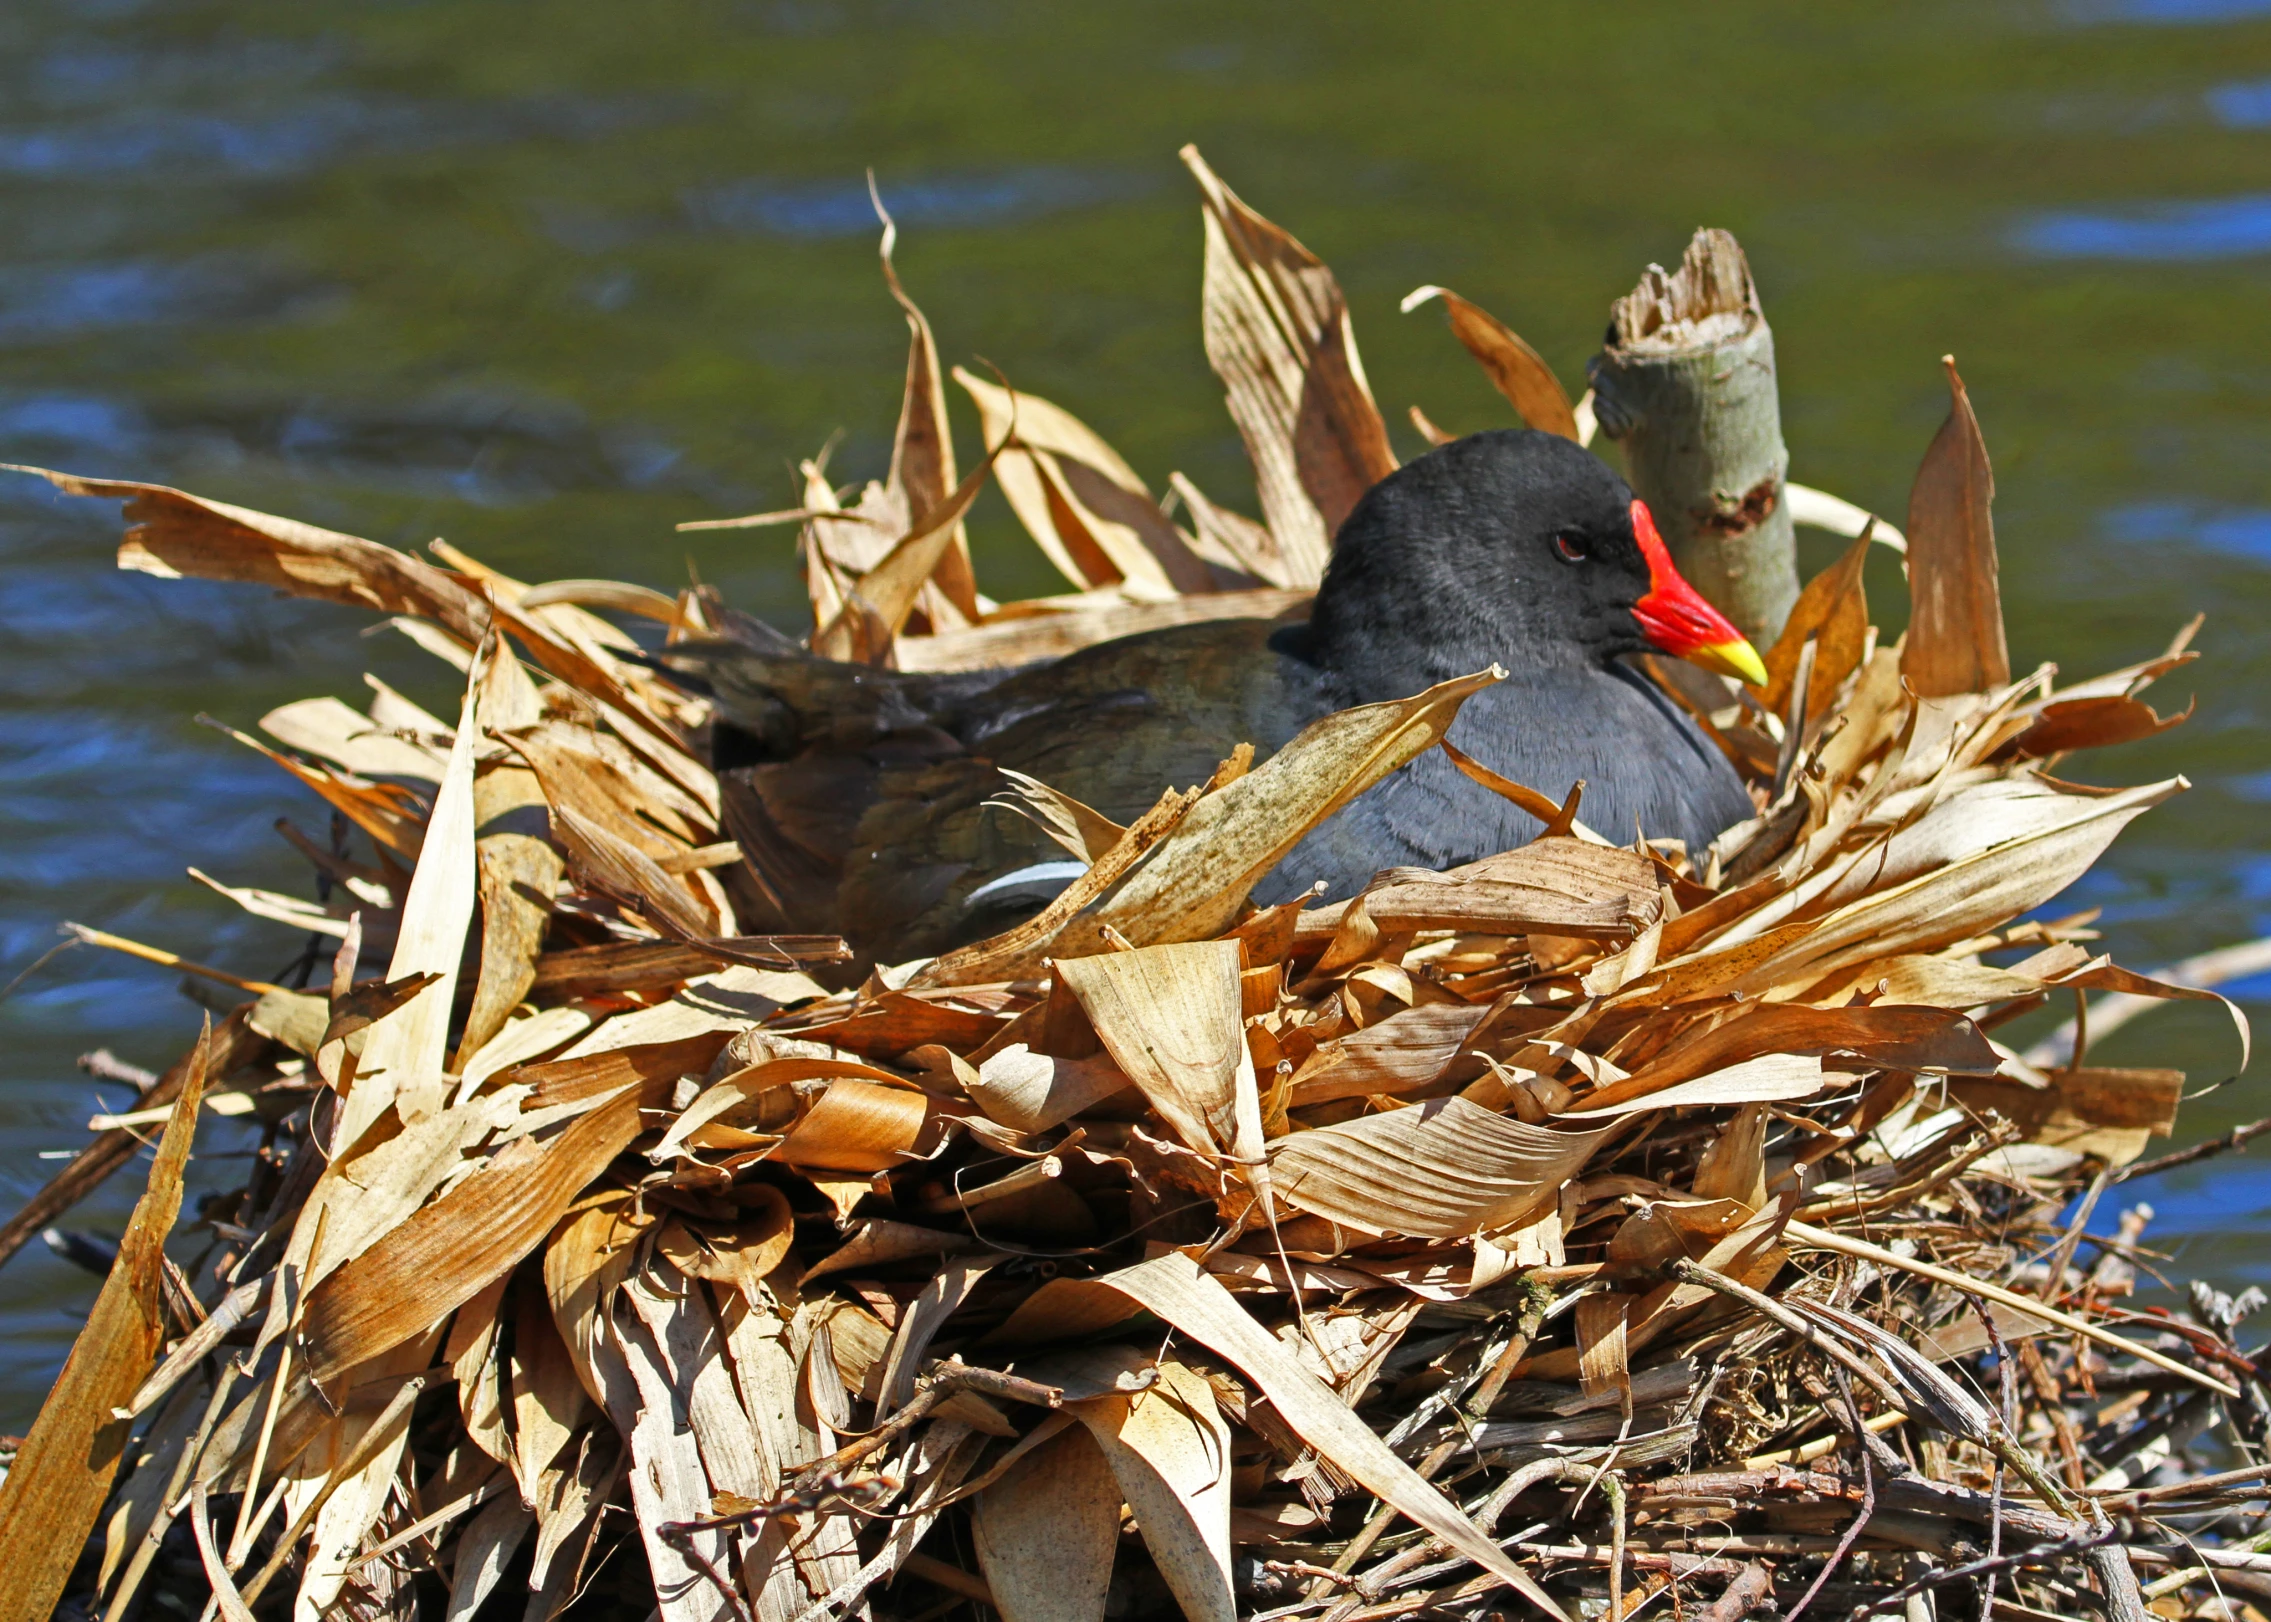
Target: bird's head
<point>1520,546</point>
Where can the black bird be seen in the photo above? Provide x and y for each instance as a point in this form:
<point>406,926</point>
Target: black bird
<point>858,794</point>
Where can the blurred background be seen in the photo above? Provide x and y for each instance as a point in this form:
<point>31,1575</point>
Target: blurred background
<point>547,280</point>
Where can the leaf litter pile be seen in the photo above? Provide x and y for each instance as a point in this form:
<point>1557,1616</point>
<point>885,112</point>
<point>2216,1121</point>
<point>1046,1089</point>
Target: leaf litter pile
<point>1599,1227</point>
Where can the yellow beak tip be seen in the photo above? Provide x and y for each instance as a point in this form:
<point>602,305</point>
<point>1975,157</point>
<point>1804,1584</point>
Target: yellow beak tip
<point>1737,658</point>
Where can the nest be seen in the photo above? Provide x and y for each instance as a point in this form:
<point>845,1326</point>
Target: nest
<point>1598,1226</point>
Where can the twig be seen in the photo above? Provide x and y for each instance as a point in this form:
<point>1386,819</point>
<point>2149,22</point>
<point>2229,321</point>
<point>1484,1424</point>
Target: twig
<point>104,1065</point>
<point>1688,1272</point>
<point>1752,1589</point>
<point>2039,1554</point>
<point>2237,1138</point>
<point>934,1388</point>
<point>1860,1248</point>
<point>1860,1520</point>
<point>171,960</point>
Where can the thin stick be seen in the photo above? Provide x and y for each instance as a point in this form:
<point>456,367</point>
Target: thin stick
<point>168,1505</point>
<point>171,960</point>
<point>378,1437</point>
<point>240,1539</point>
<point>2237,1138</point>
<point>2033,1308</point>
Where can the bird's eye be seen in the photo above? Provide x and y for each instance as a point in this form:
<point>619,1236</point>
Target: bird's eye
<point>1571,548</point>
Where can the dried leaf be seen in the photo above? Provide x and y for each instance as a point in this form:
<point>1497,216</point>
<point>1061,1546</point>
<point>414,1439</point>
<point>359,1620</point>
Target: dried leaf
<point>1194,883</point>
<point>1955,630</point>
<point>888,591</point>
<point>1173,1287</point>
<point>1832,613</point>
<point>1514,368</point>
<point>1277,334</point>
<point>1553,885</point>
<point>1032,1092</point>
<point>401,1062</point>
<point>172,534</point>
<point>1046,1532</point>
<point>586,1260</point>
<point>922,473</point>
<point>429,1264</point>
<point>1079,501</point>
<point>1169,1448</point>
<point>1439,1170</point>
<point>62,1472</point>
<point>1170,1018</point>
<point>861,1126</point>
<point>1769,1077</point>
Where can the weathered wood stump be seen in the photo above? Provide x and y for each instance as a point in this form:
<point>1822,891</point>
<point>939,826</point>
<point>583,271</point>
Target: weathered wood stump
<point>1686,386</point>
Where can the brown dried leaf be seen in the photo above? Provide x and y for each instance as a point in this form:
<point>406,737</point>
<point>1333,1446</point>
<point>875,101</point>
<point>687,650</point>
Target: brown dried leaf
<point>418,1271</point>
<point>62,1472</point>
<point>740,1253</point>
<point>1046,1532</point>
<point>1173,1287</point>
<point>1833,611</point>
<point>1514,368</point>
<point>1277,334</point>
<point>586,1260</point>
<point>1559,886</point>
<point>922,473</point>
<point>173,534</point>
<point>1081,503</point>
<point>1955,630</point>
<point>862,1126</point>
<point>1169,1016</point>
<point>1444,1169</point>
<point>2095,723</point>
<point>1883,1036</point>
<point>1407,1050</point>
<point>1192,887</point>
<point>888,591</point>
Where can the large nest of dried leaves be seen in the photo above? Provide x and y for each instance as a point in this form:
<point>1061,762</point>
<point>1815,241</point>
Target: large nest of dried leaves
<point>1594,1227</point>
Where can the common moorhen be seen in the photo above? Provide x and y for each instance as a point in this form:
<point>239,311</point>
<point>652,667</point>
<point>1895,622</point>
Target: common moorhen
<point>857,794</point>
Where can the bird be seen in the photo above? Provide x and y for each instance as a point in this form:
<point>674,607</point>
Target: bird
<point>860,796</point>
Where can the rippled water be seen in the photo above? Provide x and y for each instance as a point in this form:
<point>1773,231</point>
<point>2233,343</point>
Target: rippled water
<point>547,280</point>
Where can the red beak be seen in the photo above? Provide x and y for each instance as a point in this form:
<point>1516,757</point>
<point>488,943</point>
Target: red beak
<point>1675,617</point>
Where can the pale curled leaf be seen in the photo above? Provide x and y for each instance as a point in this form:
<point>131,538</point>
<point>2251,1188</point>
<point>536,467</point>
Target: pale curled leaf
<point>1768,1078</point>
<point>1191,887</point>
<point>1444,1169</point>
<point>1032,1092</point>
<point>1169,1449</point>
<point>1173,1287</point>
<point>1046,1532</point>
<point>1079,501</point>
<point>403,1054</point>
<point>1277,334</point>
<point>1170,1018</point>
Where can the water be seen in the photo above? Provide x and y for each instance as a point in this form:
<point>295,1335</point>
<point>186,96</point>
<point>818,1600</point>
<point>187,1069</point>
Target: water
<point>546,288</point>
